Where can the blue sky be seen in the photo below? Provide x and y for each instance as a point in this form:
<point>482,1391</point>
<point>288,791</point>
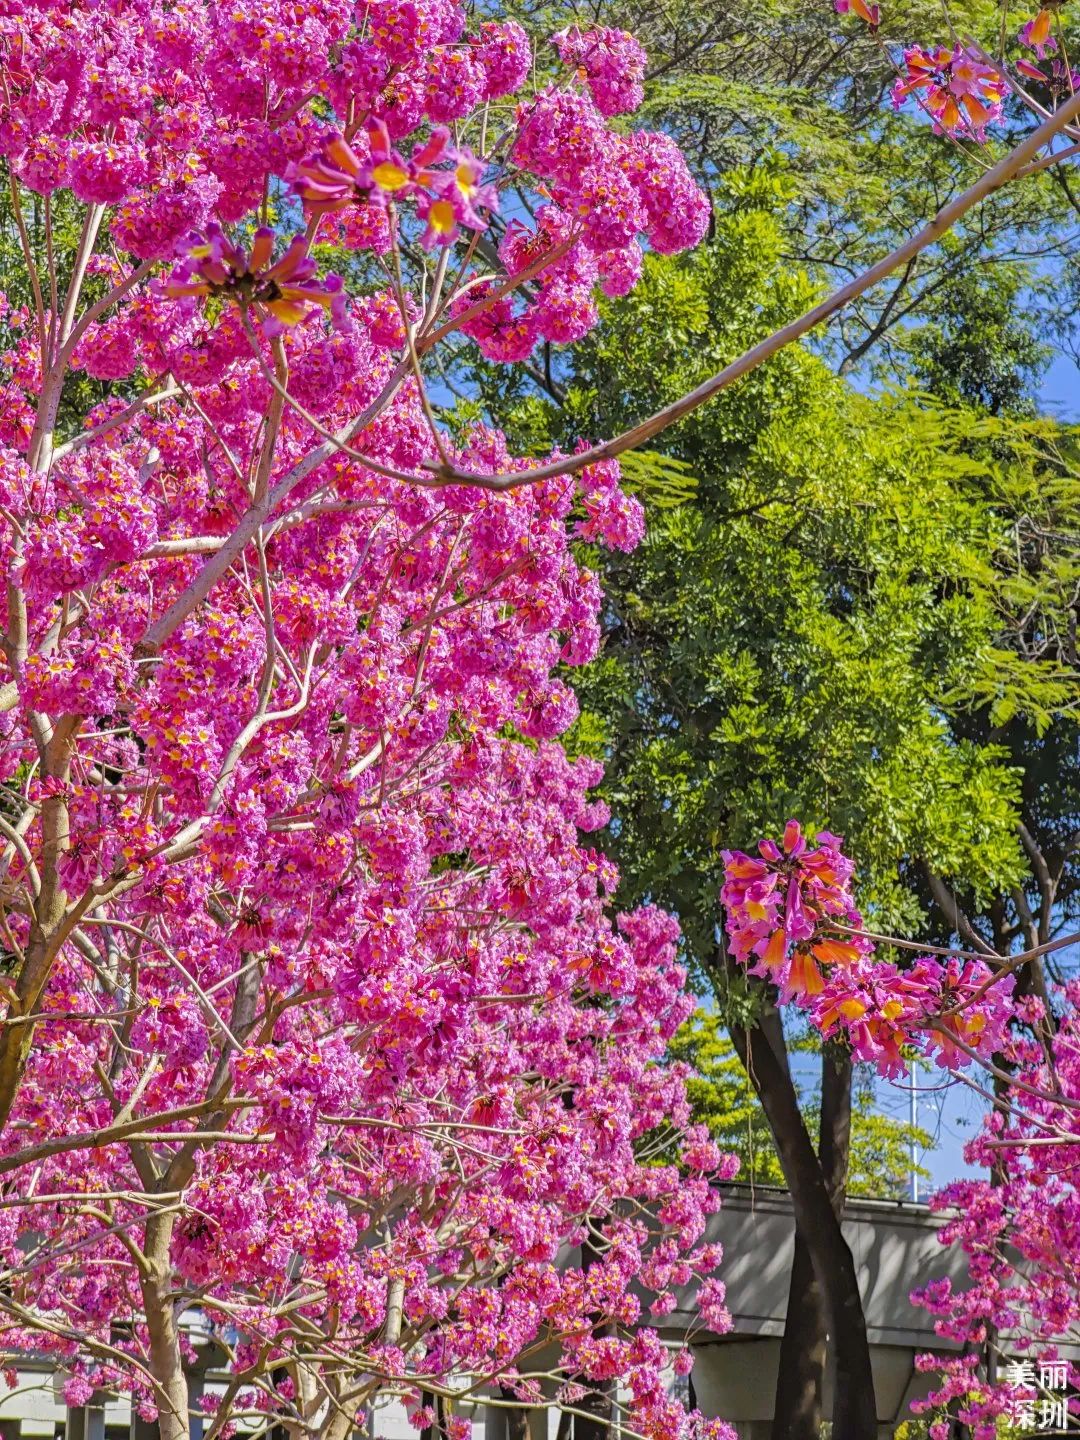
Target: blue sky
<point>1060,391</point>
<point>949,1110</point>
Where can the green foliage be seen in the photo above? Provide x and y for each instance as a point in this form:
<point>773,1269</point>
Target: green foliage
<point>782,642</point>
<point>660,481</point>
<point>979,348</point>
<point>722,1098</point>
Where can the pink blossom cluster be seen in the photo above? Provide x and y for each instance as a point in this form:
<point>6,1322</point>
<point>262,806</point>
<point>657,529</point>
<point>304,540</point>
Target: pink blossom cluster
<point>605,194</point>
<point>1019,1231</point>
<point>174,135</point>
<point>791,919</point>
<point>612,62</point>
<point>960,93</point>
<point>958,87</point>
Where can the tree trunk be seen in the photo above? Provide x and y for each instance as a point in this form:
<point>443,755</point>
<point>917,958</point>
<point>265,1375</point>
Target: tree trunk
<point>166,1365</point>
<point>436,1431</point>
<point>46,921</point>
<point>854,1407</point>
<point>834,1135</point>
<point>804,1348</point>
<point>834,1151</point>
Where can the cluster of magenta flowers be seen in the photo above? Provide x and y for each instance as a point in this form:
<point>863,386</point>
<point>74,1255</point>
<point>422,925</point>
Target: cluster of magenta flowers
<point>791,920</point>
<point>312,697</point>
<point>1020,1232</point>
<point>960,90</point>
<point>960,93</point>
<point>603,190</point>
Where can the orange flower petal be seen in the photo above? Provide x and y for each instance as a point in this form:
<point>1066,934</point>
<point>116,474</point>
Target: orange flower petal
<point>775,951</point>
<point>835,952</point>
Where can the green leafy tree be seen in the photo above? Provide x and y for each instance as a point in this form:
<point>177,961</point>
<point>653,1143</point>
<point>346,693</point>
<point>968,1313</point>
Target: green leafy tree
<point>980,348</point>
<point>825,620</point>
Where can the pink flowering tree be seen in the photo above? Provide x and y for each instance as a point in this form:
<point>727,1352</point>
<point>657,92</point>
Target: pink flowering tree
<point>318,1023</point>
<point>791,921</point>
<point>319,1028</point>
<point>1018,1229</point>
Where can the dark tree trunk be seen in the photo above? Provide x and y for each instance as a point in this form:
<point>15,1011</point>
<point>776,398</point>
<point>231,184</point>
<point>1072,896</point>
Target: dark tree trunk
<point>431,1432</point>
<point>797,1411</point>
<point>834,1139</point>
<point>804,1346</point>
<point>592,1420</point>
<point>834,1152</point>
<point>854,1406</point>
<point>803,1349</point>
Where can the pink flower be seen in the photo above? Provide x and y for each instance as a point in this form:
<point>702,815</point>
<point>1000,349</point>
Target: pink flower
<point>870,13</point>
<point>338,175</point>
<point>77,1391</point>
<point>961,94</point>
<point>610,61</point>
<point>502,48</point>
<point>285,289</point>
<point>1036,34</point>
<point>712,1308</point>
<point>1031,70</point>
<point>458,197</point>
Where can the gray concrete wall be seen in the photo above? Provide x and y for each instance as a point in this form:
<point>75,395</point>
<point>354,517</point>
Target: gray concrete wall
<point>895,1247</point>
